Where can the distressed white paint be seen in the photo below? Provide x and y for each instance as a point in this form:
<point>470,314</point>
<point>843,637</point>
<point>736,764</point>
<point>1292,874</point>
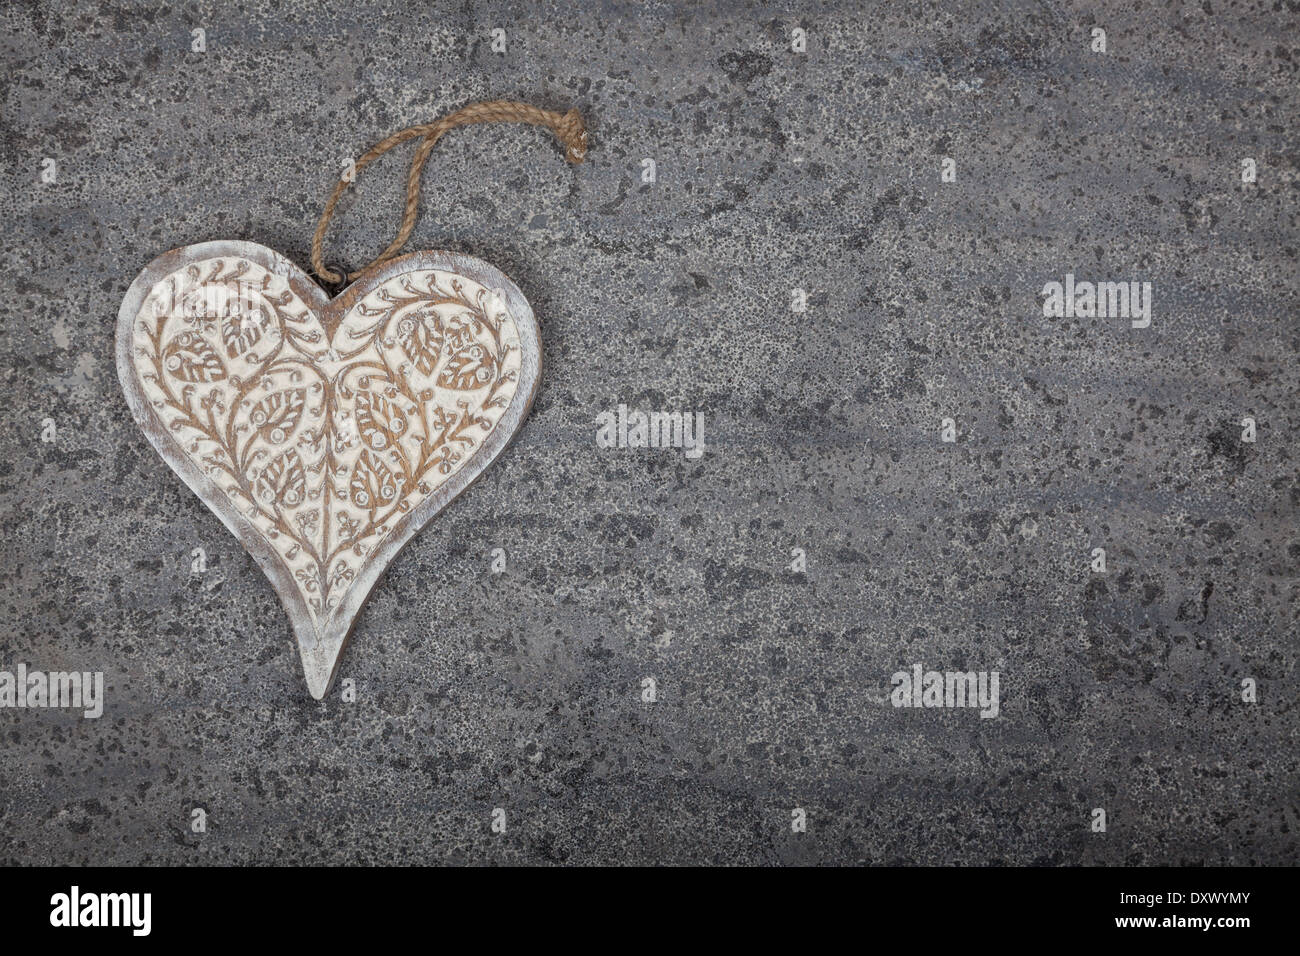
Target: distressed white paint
<point>325,433</point>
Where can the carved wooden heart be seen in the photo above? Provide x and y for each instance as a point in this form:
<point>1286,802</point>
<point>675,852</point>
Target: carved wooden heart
<point>325,432</point>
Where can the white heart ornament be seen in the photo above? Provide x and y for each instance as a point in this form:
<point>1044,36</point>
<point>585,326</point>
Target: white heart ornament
<point>325,433</point>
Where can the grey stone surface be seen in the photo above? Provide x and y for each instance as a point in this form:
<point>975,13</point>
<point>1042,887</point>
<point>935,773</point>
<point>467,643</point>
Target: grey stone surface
<point>775,171</point>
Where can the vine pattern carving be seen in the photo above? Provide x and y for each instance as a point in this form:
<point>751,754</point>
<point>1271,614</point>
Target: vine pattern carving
<point>324,438</point>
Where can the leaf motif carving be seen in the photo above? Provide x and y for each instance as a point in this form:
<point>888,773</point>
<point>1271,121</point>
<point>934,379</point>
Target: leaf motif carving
<point>283,481</point>
<point>240,333</point>
<point>276,416</point>
<point>379,420</point>
<point>373,483</point>
<point>421,336</point>
<point>470,366</point>
<point>324,426</point>
<point>191,359</point>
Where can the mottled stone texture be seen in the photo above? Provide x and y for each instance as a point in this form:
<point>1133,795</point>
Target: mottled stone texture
<point>775,171</point>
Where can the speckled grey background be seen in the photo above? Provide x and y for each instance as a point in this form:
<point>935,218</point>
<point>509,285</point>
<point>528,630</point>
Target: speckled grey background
<point>775,171</point>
